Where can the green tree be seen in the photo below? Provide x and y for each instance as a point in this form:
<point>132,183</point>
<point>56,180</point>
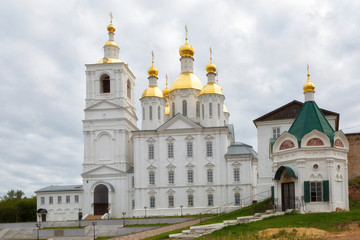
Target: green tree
<point>12,194</point>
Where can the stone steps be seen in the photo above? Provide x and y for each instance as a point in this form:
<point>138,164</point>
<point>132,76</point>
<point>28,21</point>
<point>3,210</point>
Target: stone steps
<point>198,231</point>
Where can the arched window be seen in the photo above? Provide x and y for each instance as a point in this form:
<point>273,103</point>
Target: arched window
<point>159,112</point>
<point>210,109</point>
<point>143,113</point>
<point>218,110</point>
<point>197,109</point>
<point>202,111</point>
<point>173,109</point>
<point>184,105</point>
<point>150,112</point>
<point>105,84</point>
<point>128,89</point>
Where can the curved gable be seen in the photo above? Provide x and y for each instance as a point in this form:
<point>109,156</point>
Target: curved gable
<point>286,141</point>
<point>340,140</point>
<point>315,138</point>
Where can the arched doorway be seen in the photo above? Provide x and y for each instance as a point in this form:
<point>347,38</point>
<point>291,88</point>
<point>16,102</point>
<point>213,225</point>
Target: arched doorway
<point>42,214</point>
<point>287,187</point>
<point>101,199</point>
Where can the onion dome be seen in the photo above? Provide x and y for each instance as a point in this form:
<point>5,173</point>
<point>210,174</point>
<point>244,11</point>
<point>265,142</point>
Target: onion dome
<point>186,80</point>
<point>211,88</point>
<point>309,86</point>
<point>152,71</point>
<point>152,91</point>
<point>166,90</point>
<point>186,50</point>
<point>211,68</point>
<point>111,27</point>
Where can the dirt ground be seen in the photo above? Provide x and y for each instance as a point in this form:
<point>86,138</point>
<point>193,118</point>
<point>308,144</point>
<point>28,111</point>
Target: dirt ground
<point>352,233</point>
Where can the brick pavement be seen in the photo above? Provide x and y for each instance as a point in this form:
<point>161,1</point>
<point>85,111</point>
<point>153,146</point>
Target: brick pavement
<point>154,232</point>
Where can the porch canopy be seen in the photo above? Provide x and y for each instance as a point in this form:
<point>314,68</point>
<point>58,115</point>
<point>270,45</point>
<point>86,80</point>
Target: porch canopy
<point>280,171</point>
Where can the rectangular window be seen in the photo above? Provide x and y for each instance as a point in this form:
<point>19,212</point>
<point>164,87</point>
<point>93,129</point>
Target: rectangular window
<point>133,204</point>
<point>150,112</point>
<point>236,175</point>
<point>151,178</point>
<point>76,198</point>
<point>51,200</point>
<point>152,202</point>
<point>210,200</point>
<point>171,177</point>
<point>276,132</point>
<point>151,151</point>
<point>190,176</point>
<point>67,199</point>
<point>237,198</point>
<point>316,191</point>
<point>170,150</point>
<point>42,200</point>
<point>171,201</point>
<point>132,182</point>
<point>210,176</point>
<point>189,147</point>
<point>209,150</point>
<point>190,200</point>
<point>59,199</point>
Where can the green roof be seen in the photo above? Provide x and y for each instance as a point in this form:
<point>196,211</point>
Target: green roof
<point>309,118</point>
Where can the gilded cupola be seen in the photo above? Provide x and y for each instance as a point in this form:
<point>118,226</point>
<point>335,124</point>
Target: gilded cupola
<point>186,50</point>
<point>309,86</point>
<point>152,90</point>
<point>211,87</point>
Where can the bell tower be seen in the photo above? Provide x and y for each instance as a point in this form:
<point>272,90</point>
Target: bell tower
<point>110,118</point>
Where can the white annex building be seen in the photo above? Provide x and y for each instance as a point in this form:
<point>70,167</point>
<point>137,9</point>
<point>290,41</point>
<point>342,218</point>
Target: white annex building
<point>184,160</point>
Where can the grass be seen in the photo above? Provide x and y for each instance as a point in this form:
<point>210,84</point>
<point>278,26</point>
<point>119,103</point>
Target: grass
<point>165,235</point>
<point>355,182</point>
<point>103,238</point>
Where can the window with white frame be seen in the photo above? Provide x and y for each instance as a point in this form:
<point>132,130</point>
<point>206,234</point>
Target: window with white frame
<point>184,105</point>
<point>171,177</point>
<point>190,200</point>
<point>210,109</point>
<point>132,182</point>
<point>171,150</point>
<point>133,204</point>
<point>42,200</point>
<point>67,199</point>
<point>151,151</point>
<point>218,110</point>
<point>237,198</point>
<point>316,191</point>
<point>143,113</point>
<point>197,109</point>
<point>236,175</point>
<point>151,178</point>
<point>128,89</point>
<point>76,198</point>
<point>59,199</point>
<point>173,109</point>
<point>210,176</point>
<point>276,132</point>
<point>189,148</point>
<point>210,200</point>
<point>152,202</point>
<point>158,112</point>
<point>150,112</point>
<point>190,176</point>
<point>209,149</point>
<point>171,201</point>
<point>202,111</point>
<point>51,200</point>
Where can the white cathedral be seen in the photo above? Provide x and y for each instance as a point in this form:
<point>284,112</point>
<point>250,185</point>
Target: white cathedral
<point>185,160</point>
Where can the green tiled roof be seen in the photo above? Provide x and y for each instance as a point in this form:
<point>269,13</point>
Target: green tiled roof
<point>309,118</point>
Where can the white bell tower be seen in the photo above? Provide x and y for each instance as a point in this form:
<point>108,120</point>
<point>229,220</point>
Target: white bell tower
<point>110,118</point>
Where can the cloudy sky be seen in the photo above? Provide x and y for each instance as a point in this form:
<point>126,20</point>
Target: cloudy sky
<point>260,48</point>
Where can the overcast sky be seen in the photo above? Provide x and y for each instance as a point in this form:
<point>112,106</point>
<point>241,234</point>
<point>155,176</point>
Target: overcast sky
<point>260,48</point>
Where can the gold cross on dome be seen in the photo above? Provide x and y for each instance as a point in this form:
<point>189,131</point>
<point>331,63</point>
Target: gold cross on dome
<point>166,80</point>
<point>308,72</point>
<point>186,33</point>
<point>210,54</point>
<point>152,54</point>
<point>111,17</point>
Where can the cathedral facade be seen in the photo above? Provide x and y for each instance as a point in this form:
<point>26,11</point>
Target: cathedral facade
<point>183,160</point>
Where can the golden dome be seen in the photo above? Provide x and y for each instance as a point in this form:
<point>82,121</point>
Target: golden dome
<point>152,91</point>
<point>211,88</point>
<point>110,60</point>
<point>167,109</point>
<point>211,68</point>
<point>111,28</point>
<point>186,50</point>
<point>111,43</point>
<point>186,80</point>
<point>309,86</point>
<point>152,71</point>
<point>225,109</point>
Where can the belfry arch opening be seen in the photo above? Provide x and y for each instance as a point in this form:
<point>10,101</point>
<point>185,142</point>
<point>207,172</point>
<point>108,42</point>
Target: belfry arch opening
<point>104,83</point>
<point>101,199</point>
